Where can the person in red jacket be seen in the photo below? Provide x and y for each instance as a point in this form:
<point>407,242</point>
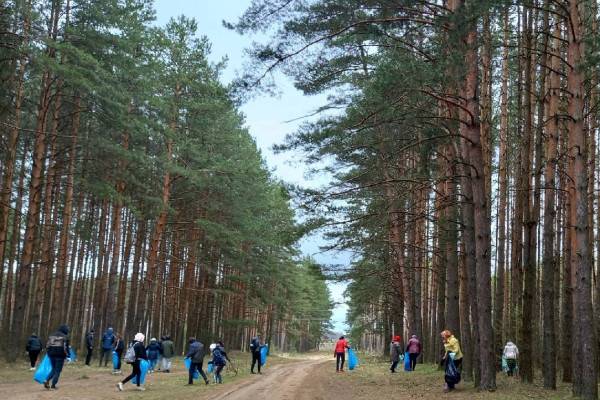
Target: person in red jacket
<point>340,354</point>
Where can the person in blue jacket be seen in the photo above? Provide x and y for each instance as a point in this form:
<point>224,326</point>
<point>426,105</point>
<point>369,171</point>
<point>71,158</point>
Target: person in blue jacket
<point>108,342</point>
<point>218,360</point>
<point>153,351</point>
<point>196,353</point>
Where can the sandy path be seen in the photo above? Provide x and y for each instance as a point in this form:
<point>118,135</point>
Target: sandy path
<point>284,382</point>
<point>294,380</point>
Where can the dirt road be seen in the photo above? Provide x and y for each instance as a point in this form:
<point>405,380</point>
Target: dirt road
<point>284,382</point>
<point>284,379</point>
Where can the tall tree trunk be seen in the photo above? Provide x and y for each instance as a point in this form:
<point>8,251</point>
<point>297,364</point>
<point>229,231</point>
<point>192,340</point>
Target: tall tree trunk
<point>470,130</point>
<point>502,189</point>
<point>585,384</point>
<point>549,263</point>
<point>526,337</point>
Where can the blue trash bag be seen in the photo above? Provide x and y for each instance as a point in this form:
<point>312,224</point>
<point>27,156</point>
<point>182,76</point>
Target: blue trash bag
<point>264,352</point>
<point>72,355</point>
<point>211,367</point>
<point>452,374</point>
<point>144,366</point>
<point>504,364</point>
<point>188,364</point>
<point>115,359</point>
<point>43,371</point>
<point>352,359</point>
<point>407,361</point>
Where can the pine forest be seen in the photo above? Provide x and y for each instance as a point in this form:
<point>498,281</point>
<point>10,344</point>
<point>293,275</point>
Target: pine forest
<point>460,140</point>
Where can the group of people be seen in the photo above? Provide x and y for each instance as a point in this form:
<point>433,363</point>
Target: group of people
<point>195,355</point>
<point>412,351</point>
<point>452,358</point>
<point>113,347</point>
<point>58,350</point>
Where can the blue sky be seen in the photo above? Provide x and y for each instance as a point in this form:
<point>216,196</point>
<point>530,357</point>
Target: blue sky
<point>266,116</point>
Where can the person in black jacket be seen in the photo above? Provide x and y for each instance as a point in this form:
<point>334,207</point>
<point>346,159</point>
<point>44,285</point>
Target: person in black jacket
<point>196,353</point>
<point>89,344</point>
<point>119,349</point>
<point>255,347</point>
<point>140,354</point>
<point>58,350</point>
<point>34,347</point>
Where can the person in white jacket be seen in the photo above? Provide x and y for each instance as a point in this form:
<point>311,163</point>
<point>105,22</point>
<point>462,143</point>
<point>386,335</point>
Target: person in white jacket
<point>511,354</point>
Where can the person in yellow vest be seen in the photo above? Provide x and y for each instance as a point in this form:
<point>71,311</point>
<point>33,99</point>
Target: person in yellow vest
<point>452,353</point>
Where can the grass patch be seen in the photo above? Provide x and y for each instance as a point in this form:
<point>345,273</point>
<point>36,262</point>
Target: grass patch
<point>372,379</point>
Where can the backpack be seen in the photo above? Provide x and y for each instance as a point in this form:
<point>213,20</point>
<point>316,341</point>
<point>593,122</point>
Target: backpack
<point>56,341</point>
<point>130,355</point>
<point>218,358</point>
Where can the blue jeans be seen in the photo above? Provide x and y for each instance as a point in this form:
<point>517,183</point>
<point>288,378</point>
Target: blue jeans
<point>57,366</point>
<point>153,363</point>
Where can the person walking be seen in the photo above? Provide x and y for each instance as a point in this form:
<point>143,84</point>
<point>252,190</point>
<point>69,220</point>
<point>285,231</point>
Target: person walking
<point>119,349</point>
<point>340,353</point>
<point>153,350</point>
<point>196,353</point>
<point>395,353</point>
<point>511,354</point>
<point>89,344</point>
<point>58,350</point>
<point>452,358</point>
<point>255,346</point>
<point>108,342</point>
<point>168,351</point>
<point>138,353</point>
<point>413,348</point>
<point>218,360</point>
<point>33,348</point>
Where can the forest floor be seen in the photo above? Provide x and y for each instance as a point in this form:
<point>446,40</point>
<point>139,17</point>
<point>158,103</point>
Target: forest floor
<point>284,378</point>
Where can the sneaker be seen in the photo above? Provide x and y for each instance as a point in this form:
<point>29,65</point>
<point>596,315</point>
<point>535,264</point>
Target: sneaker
<point>47,385</point>
<point>141,388</point>
<point>446,388</point>
<point>253,373</point>
<point>53,387</point>
<point>32,369</point>
<point>120,386</point>
<point>206,382</point>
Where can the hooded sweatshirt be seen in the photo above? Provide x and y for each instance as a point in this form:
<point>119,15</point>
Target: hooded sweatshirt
<point>108,339</point>
<point>59,351</point>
